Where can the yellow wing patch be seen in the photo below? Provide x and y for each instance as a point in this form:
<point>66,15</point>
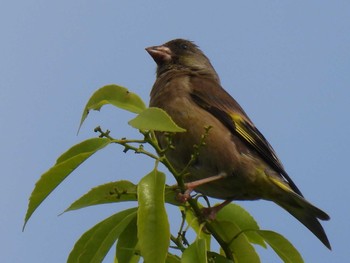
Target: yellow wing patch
<point>238,121</point>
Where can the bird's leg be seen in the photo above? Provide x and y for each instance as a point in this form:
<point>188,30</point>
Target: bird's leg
<point>210,212</point>
<point>192,185</point>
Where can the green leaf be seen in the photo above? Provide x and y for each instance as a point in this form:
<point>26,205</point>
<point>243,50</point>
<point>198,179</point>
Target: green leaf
<point>239,216</point>
<point>172,259</point>
<point>117,96</point>
<point>171,195</point>
<point>65,165</point>
<point>242,249</point>
<point>217,258</point>
<point>155,119</point>
<point>192,221</point>
<point>127,242</point>
<point>196,252</point>
<point>283,248</point>
<point>152,221</point>
<point>113,192</point>
<point>94,244</point>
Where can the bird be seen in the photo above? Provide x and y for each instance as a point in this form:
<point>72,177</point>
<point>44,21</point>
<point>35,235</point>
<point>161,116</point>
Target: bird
<point>241,161</point>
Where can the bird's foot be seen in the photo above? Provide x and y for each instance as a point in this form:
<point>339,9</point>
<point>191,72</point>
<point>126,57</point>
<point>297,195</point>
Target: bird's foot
<point>184,197</point>
<point>210,212</point>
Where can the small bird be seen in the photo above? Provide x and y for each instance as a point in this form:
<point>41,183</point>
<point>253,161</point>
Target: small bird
<point>236,154</point>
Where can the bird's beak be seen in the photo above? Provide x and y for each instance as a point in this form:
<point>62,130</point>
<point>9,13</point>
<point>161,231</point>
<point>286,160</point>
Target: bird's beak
<point>160,54</point>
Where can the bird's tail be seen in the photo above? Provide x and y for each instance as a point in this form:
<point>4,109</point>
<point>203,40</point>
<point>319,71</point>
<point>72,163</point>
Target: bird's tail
<point>302,210</point>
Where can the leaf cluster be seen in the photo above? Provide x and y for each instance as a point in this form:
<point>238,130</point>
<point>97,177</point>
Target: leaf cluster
<point>143,231</point>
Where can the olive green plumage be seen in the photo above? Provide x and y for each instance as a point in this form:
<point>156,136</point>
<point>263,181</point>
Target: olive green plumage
<point>189,90</point>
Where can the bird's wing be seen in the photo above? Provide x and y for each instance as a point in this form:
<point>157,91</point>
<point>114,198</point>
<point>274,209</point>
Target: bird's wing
<point>209,95</point>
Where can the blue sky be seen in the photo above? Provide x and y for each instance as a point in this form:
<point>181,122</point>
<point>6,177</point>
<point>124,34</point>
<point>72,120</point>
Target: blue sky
<point>286,62</point>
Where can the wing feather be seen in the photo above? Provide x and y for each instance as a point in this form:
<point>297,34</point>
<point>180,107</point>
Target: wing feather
<point>209,95</point>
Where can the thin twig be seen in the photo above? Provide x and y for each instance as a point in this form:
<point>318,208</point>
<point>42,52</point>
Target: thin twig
<point>150,138</point>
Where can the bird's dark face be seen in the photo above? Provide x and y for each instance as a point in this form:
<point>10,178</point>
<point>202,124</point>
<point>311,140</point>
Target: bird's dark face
<point>179,54</point>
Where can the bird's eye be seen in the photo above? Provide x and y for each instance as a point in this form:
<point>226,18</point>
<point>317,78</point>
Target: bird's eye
<point>184,46</point>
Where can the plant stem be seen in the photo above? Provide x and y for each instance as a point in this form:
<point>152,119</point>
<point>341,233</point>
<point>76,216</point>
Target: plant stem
<point>150,138</point>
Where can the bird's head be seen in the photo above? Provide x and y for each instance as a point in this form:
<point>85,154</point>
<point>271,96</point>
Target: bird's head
<point>180,54</point>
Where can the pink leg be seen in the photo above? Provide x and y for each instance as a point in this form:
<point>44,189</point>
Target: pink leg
<point>210,212</point>
<point>192,185</point>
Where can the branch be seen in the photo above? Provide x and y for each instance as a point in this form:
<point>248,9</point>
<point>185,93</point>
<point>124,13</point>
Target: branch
<point>150,138</point>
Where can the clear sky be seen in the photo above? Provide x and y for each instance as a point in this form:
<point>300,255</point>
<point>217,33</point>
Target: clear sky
<point>286,62</point>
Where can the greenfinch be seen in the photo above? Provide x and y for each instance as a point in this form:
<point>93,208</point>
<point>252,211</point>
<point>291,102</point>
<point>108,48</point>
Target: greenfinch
<point>188,88</point>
